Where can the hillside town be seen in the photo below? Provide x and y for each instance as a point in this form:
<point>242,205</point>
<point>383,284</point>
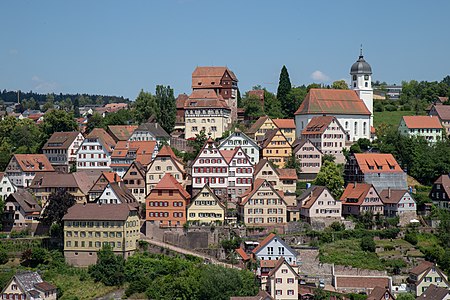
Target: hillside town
<point>310,204</point>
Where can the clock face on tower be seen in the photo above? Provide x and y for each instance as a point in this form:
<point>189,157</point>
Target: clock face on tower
<point>366,77</point>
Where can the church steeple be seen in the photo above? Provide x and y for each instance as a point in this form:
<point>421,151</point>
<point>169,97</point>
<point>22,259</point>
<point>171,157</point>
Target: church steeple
<point>361,80</point>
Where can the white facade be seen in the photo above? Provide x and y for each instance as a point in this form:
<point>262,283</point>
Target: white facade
<point>282,283</point>
<point>6,187</point>
<point>213,121</point>
<point>240,173</point>
<point>64,156</point>
<point>406,204</point>
<point>93,155</point>
<point>210,167</point>
<point>355,126</point>
<point>242,140</point>
<point>275,249</point>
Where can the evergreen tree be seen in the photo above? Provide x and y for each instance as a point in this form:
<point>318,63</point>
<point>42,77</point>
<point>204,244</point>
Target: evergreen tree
<point>76,108</point>
<point>284,87</point>
<point>167,107</point>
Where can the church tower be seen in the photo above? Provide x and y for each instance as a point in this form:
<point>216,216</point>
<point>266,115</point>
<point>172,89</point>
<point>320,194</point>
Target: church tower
<point>361,79</point>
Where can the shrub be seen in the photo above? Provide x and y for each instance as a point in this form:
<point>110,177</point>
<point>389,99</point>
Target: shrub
<point>411,237</point>
<point>368,244</point>
<point>390,107</point>
<point>3,257</point>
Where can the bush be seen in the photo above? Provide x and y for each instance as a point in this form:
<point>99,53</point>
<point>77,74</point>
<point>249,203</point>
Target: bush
<point>3,257</point>
<point>406,107</point>
<point>368,244</point>
<point>390,107</point>
<point>411,237</point>
<point>378,107</point>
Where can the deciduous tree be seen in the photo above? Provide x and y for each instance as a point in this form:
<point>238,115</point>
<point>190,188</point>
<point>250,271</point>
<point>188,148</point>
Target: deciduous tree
<point>57,121</point>
<point>145,106</point>
<point>59,203</point>
<point>331,176</point>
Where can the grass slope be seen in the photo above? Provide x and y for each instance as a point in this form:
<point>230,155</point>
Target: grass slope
<point>349,253</point>
<point>390,118</point>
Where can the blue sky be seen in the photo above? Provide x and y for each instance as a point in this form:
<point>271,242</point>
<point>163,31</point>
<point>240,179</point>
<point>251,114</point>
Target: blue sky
<point>120,47</point>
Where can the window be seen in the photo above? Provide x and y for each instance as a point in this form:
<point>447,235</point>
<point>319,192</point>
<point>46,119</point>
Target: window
<point>279,280</point>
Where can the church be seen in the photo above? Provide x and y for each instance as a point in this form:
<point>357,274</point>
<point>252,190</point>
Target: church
<point>352,108</point>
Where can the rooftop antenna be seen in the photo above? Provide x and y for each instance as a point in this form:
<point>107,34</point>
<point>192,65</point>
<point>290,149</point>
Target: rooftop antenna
<point>360,52</point>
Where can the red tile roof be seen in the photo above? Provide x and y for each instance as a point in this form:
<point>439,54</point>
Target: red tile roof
<point>287,174</point>
<point>168,182</point>
<point>111,176</point>
<point>34,162</point>
<point>206,98</point>
<point>318,125</point>
<point>61,140</point>
<point>330,101</point>
<point>355,191</point>
<point>107,141</point>
<point>419,122</point>
<point>378,293</point>
<point>377,163</point>
<point>264,242</point>
<point>442,111</point>
<point>257,93</point>
<point>284,123</point>
<point>102,212</point>
<point>45,286</point>
<point>392,196</point>
<point>242,254</point>
<point>258,123</point>
<point>121,132</point>
<point>309,197</point>
<point>422,267</point>
<point>228,154</point>
<point>361,282</point>
<point>210,76</point>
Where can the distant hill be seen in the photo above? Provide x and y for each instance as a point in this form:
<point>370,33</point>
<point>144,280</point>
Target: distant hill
<point>83,99</point>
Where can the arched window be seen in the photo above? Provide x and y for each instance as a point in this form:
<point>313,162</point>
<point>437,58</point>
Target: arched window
<point>354,84</point>
<point>366,84</point>
<point>354,77</point>
<point>356,128</point>
<point>346,124</point>
<point>364,128</point>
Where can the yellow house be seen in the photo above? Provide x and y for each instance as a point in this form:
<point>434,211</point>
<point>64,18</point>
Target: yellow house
<point>275,147</point>
<point>260,127</point>
<point>206,208</point>
<point>424,275</point>
<point>89,227</point>
<point>287,127</point>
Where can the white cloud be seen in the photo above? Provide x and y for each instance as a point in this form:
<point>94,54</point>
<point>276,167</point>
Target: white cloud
<point>43,86</point>
<point>319,76</point>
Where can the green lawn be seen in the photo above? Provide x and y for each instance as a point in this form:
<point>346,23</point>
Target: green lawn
<point>391,118</point>
<point>349,253</point>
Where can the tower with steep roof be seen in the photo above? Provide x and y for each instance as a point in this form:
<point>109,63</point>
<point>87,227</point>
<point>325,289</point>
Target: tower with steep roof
<point>361,82</point>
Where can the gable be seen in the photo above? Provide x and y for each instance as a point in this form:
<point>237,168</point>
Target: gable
<point>108,194</point>
<point>266,169</point>
<point>237,137</point>
<point>276,242</point>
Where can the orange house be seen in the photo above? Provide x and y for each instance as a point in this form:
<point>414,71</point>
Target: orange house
<point>166,204</point>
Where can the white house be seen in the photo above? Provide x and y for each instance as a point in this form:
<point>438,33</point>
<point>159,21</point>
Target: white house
<point>22,168</point>
<point>238,138</point>
<point>212,168</point>
<point>29,285</point>
<point>352,108</point>
<point>116,193</point>
<point>6,186</point>
<point>95,151</point>
<point>282,281</point>
<point>273,248</point>
<point>150,131</point>
<point>428,127</point>
<point>240,171</point>
<point>398,202</point>
<point>61,149</point>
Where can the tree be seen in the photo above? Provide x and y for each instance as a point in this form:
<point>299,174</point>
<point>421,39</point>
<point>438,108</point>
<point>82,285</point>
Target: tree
<point>59,203</point>
<point>167,107</point>
<point>58,121</point>
<point>293,163</point>
<point>145,106</point>
<point>109,269</point>
<point>331,176</point>
<point>76,107</point>
<point>295,98</point>
<point>252,106</point>
<point>27,137</point>
<point>197,143</point>
<point>272,106</point>
<point>405,296</point>
<point>94,121</point>
<point>284,87</point>
<point>368,244</point>
<point>340,85</point>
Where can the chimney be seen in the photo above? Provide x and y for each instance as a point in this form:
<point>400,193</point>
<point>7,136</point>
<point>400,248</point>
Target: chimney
<point>389,192</point>
<point>354,185</point>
